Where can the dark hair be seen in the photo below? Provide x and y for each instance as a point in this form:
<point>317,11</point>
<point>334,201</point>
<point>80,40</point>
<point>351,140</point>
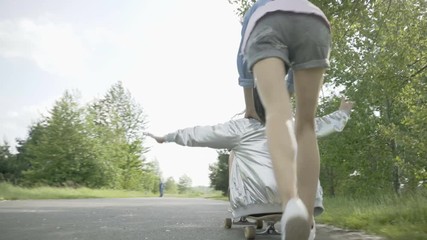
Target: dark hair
<point>259,108</point>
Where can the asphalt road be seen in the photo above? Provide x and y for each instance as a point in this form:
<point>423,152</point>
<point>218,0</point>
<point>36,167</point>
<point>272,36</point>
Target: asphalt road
<point>129,218</point>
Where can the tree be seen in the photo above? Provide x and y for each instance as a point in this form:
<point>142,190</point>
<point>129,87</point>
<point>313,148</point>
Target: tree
<point>99,145</point>
<point>184,184</point>
<point>59,151</point>
<point>384,60</point>
<point>11,165</point>
<point>7,163</point>
<point>118,123</point>
<point>378,61</point>
<point>171,186</point>
<point>151,176</point>
<point>219,172</point>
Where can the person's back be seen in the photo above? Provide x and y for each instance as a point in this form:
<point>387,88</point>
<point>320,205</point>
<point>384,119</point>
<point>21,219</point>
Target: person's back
<point>252,184</point>
<point>253,188</point>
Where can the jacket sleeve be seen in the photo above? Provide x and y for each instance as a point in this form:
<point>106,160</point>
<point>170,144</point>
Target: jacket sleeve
<point>334,122</point>
<point>220,136</point>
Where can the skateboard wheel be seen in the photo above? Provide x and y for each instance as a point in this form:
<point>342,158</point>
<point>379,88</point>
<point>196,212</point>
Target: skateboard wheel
<point>259,224</point>
<point>227,223</point>
<point>250,232</point>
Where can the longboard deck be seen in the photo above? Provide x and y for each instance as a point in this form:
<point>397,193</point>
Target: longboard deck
<point>266,217</point>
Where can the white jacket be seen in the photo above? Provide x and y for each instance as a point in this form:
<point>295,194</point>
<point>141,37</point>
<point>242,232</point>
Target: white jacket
<point>252,184</point>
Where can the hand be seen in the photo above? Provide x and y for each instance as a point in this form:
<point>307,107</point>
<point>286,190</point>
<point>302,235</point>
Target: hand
<point>157,138</point>
<point>346,105</point>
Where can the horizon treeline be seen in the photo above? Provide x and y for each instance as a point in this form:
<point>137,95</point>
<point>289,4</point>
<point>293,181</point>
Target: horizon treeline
<point>98,145</point>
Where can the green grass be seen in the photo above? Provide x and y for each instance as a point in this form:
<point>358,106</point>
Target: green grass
<point>396,218</point>
<point>10,192</point>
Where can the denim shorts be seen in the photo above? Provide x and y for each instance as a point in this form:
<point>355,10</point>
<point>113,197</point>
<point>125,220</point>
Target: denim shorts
<point>302,41</point>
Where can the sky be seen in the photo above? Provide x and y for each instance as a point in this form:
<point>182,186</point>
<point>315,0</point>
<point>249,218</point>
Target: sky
<point>177,59</point>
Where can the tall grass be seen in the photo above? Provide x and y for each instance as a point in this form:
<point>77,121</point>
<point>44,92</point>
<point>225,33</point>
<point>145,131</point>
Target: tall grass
<point>10,192</point>
<point>397,218</point>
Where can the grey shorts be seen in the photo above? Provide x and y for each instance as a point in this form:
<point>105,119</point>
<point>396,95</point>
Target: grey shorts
<point>301,40</point>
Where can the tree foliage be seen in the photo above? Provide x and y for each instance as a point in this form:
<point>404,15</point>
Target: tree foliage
<point>118,122</point>
<point>171,186</point>
<point>96,145</point>
<point>10,166</point>
<point>378,60</point>
<point>184,183</point>
<point>60,151</point>
<point>219,172</point>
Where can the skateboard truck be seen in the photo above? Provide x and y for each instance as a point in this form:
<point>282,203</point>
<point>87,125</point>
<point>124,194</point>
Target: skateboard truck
<point>251,231</point>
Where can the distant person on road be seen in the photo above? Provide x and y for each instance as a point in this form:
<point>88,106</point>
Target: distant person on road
<point>161,188</point>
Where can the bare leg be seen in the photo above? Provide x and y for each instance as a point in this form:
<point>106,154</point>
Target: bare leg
<point>307,86</point>
<point>269,76</point>
<point>294,152</point>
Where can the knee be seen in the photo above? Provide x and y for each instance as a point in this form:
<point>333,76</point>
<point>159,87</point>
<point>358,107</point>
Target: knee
<point>305,124</point>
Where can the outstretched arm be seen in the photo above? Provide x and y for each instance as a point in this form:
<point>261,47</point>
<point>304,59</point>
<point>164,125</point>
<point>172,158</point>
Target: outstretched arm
<point>159,139</point>
<point>220,136</point>
<point>334,122</point>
